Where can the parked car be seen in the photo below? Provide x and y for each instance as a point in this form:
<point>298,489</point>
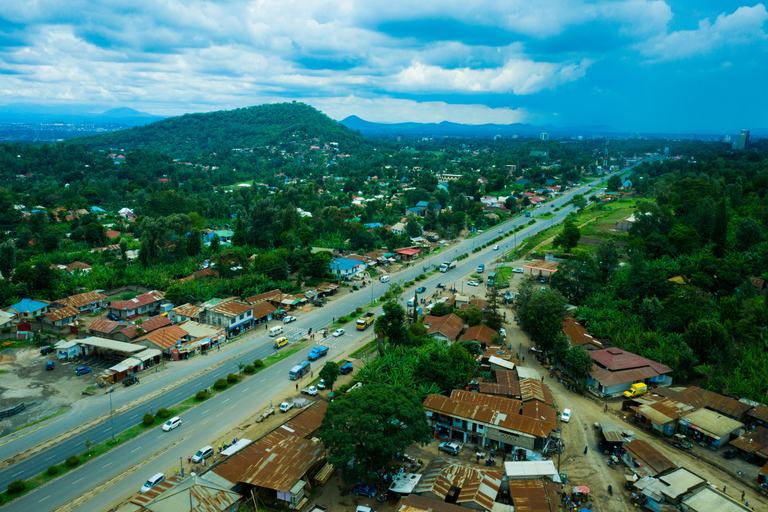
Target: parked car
<point>203,453</point>
<point>171,424</point>
<point>82,370</point>
<point>153,481</point>
<point>286,406</point>
<point>451,448</point>
<point>495,247</point>
<point>518,271</point>
<point>338,332</point>
<point>49,365</point>
<point>130,380</point>
<point>362,489</point>
<point>346,368</point>
<point>420,289</point>
<point>46,350</point>
<point>154,312</point>
<point>321,384</point>
<point>566,416</point>
<point>113,317</point>
<point>288,319</point>
<point>441,286</point>
<point>473,283</point>
<point>503,333</point>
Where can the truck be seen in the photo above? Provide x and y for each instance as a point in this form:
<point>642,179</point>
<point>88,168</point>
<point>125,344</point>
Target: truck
<point>480,268</point>
<point>299,370</point>
<point>317,353</point>
<point>637,389</point>
<point>448,265</point>
<point>364,321</point>
<point>309,390</point>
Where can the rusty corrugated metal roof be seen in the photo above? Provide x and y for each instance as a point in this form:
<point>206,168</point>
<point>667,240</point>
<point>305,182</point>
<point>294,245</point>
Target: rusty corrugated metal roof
<point>532,389</point>
<point>759,413</point>
<point>534,495</point>
<point>540,412</point>
<point>190,495</point>
<point>649,456</point>
<point>755,442</point>
<point>477,484</point>
<point>413,503</point>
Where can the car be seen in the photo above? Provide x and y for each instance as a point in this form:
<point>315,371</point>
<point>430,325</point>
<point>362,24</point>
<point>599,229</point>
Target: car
<point>495,247</point>
<point>82,370</point>
<point>49,365</point>
<point>46,350</point>
<point>362,489</point>
<point>441,286</point>
<point>451,448</point>
<point>338,332</point>
<point>361,508</point>
<point>130,380</point>
<point>566,416</point>
<point>153,481</point>
<point>501,231</point>
<point>321,384</point>
<point>171,424</point>
<point>154,312</point>
<point>206,452</point>
<point>518,270</point>
<point>112,316</point>
<point>286,406</point>
<point>502,333</point>
<point>473,283</point>
<point>420,289</point>
<point>346,368</point>
<point>288,319</point>
<point>543,280</point>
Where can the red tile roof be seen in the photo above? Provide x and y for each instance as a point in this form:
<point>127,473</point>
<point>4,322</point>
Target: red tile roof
<point>141,300</point>
<point>615,359</point>
<point>479,333</point>
<point>166,337</point>
<point>62,313</point>
<point>147,326</point>
<point>449,325</point>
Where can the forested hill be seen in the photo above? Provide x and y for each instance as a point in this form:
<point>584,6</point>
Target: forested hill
<point>226,129</point>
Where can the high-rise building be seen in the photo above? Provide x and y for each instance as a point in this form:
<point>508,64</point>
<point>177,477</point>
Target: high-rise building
<point>727,138</point>
<point>742,142</point>
<point>544,136</point>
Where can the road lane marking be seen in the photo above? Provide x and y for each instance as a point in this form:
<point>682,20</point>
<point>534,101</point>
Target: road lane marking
<point>262,380</point>
<point>246,390</point>
<point>44,498</point>
<point>107,464</point>
<point>49,458</point>
<point>73,483</point>
<point>225,401</point>
<point>137,449</point>
<point>222,412</point>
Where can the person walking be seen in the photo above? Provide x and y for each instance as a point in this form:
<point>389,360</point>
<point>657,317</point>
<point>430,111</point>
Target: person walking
<point>585,449</point>
<point>297,387</point>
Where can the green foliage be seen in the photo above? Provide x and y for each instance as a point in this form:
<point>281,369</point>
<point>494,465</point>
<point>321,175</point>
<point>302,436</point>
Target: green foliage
<point>569,237</point>
<point>343,319</point>
<point>148,419</point>
<point>258,363</point>
<point>249,370</point>
<point>232,378</point>
<point>541,314</point>
<point>578,362</point>
<point>17,486</point>
<point>201,395</point>
<point>52,470</point>
<point>359,311</point>
<point>364,430</point>
<point>163,413</point>
<point>329,373</point>
<point>72,461</point>
<point>221,383</point>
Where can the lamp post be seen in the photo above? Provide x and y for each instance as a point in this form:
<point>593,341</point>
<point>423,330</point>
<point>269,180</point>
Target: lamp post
<point>111,421</point>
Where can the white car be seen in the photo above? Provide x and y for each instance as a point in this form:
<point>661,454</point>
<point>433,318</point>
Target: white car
<point>206,452</point>
<point>321,384</point>
<point>503,333</point>
<point>473,283</point>
<point>286,406</point>
<point>495,247</point>
<point>518,270</point>
<point>172,424</point>
<point>156,479</point>
<point>338,332</point>
<point>566,416</point>
<point>289,319</point>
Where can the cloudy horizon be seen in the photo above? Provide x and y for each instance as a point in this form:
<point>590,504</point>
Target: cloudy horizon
<point>635,65</point>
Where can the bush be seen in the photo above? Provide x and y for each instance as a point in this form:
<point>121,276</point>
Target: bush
<point>422,276</point>
<point>249,369</point>
<point>73,460</point>
<point>258,363</point>
<point>221,384</point>
<point>359,311</point>
<point>232,378</point>
<point>52,470</point>
<point>163,413</point>
<point>343,319</point>
<point>201,395</point>
<point>148,419</point>
<point>17,486</point>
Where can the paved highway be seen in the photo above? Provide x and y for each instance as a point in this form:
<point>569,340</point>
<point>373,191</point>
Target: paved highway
<point>238,404</point>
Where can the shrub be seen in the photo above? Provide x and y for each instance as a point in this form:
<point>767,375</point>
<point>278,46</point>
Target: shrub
<point>163,413</point>
<point>201,395</point>
<point>359,311</point>
<point>148,419</point>
<point>17,486</point>
<point>220,384</point>
<point>387,295</point>
<point>52,470</point>
<point>258,363</point>
<point>73,460</point>
<point>249,369</point>
<point>343,319</point>
<point>422,276</point>
<point>232,378</point>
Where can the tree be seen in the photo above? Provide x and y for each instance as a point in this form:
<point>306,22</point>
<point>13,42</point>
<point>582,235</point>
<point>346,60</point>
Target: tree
<point>607,258</point>
<point>710,341</point>
<point>7,258</point>
<point>577,278</point>
<point>329,373</point>
<point>578,363</point>
<point>720,231</point>
<point>748,233</point>
<point>613,184</point>
<point>392,324</point>
<point>569,237</point>
<point>364,430</point>
<point>412,227</point>
<point>579,201</point>
<point>541,314</point>
<point>510,203</point>
<point>493,316</point>
<point>472,346</point>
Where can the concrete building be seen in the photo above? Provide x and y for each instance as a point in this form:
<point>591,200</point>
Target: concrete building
<point>742,142</point>
<point>544,136</point>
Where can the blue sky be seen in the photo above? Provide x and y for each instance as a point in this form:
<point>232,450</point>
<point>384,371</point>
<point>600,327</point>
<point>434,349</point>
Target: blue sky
<point>634,65</point>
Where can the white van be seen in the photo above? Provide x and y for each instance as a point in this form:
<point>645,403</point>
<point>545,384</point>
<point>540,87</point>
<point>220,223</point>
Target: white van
<point>276,330</point>
<point>384,279</point>
<point>156,479</point>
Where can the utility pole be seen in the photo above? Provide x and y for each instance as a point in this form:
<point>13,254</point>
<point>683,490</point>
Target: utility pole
<point>111,420</point>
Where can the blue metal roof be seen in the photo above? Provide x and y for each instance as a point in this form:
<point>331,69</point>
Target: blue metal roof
<point>344,264</point>
<point>29,306</point>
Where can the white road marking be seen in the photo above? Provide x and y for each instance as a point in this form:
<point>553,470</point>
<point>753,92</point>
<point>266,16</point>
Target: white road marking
<point>49,458</point>
<point>107,464</point>
<point>222,412</point>
<point>137,449</point>
<point>262,380</point>
<point>44,498</point>
<point>77,480</point>
<point>246,390</point>
<point>225,401</point>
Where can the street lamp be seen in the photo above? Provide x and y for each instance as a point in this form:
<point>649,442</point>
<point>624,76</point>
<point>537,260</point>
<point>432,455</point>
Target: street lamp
<point>111,421</point>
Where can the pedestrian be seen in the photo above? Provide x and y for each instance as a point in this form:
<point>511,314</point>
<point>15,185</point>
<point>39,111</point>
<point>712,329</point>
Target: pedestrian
<point>189,459</point>
<point>312,374</point>
<point>270,404</point>
<point>266,326</point>
<point>725,488</point>
<point>585,449</point>
<point>742,495</point>
<point>297,387</point>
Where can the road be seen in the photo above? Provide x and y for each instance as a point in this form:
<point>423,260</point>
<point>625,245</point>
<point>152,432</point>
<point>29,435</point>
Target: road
<point>238,403</point>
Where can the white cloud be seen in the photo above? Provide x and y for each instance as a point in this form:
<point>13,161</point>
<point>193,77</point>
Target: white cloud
<point>745,25</point>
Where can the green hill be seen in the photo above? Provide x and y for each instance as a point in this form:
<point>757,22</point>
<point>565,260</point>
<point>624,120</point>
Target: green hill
<point>226,129</point>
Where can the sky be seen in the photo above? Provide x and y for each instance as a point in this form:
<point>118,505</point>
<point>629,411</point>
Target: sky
<point>633,65</point>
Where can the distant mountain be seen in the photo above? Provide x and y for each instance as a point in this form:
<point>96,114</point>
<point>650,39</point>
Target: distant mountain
<point>74,114</point>
<point>227,129</point>
<point>467,130</point>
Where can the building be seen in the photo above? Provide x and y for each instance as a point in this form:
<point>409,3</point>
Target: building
<point>709,427</point>
<point>105,328</point>
<point>166,339</point>
<point>190,494</point>
<point>645,460</point>
<point>446,328</point>
<point>754,445</point>
<point>413,503</point>
<point>698,397</point>
<point>263,312</point>
<point>710,500</point>
<point>83,302</point>
<point>506,385</point>
<point>659,412</point>
<point>579,336</point>
<point>615,370</point>
<point>544,136</point>
<point>468,485</point>
<point>481,334</point>
<point>125,309</point>
<point>62,316</point>
<point>28,310</point>
<point>231,315</point>
<point>758,415</point>
<point>184,313</point>
<point>344,268</point>
<point>6,319</point>
<point>667,489</point>
<point>133,331</point>
<point>742,142</point>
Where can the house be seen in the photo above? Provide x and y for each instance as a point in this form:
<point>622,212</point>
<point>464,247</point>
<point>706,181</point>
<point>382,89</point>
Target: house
<point>183,313</point>
<point>667,489</point>
<point>191,494</point>
<point>5,319</point>
<point>83,302</point>
<point>534,389</point>
<point>709,427</point>
<point>231,315</point>
<point>414,503</point>
<point>62,316</point>
<point>133,331</point>
<point>263,312</point>
<point>201,337</point>
<point>483,420</point>
<point>754,445</point>
<point>758,415</point>
<point>165,339</point>
<point>344,268</point>
<point>272,297</point>
<point>710,500</point>
<point>408,254</point>
<point>78,265</point>
<point>535,495</point>
<point>507,385</point>
<point>398,228</point>
<point>659,412</point>
<point>615,370</point>
<point>468,485</point>
<point>481,334</point>
<point>645,460</point>
<point>104,328</point>
<point>698,397</point>
<point>28,310</point>
<point>579,336</point>
<point>145,302</point>
<point>446,328</point>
